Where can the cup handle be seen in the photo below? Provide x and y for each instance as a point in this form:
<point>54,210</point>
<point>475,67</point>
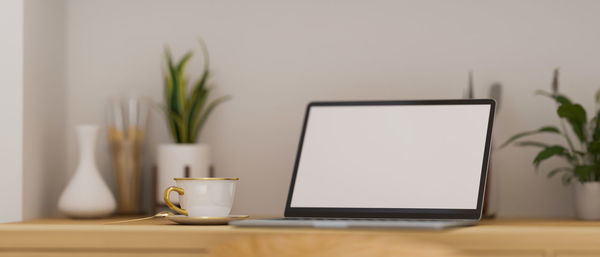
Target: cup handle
<point>171,206</point>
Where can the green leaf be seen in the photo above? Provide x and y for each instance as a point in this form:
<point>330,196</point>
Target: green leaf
<point>177,119</point>
<point>172,125</point>
<point>576,116</point>
<point>172,101</point>
<point>179,127</point>
<point>555,150</point>
<point>532,143</point>
<point>565,154</point>
<point>199,95</point>
<point>559,170</point>
<point>205,55</point>
<point>182,83</point>
<point>199,123</point>
<point>585,172</point>
<point>175,96</point>
<point>546,129</point>
<point>560,99</point>
<point>596,135</point>
<point>574,112</point>
<point>198,101</point>
<point>594,147</point>
<point>171,92</point>
<point>566,178</point>
<point>184,61</point>
<point>598,96</point>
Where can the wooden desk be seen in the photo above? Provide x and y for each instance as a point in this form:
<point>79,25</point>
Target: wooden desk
<point>496,238</point>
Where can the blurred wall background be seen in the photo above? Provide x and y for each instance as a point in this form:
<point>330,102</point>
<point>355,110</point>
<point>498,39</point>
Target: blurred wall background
<point>44,107</point>
<point>11,110</point>
<point>274,57</point>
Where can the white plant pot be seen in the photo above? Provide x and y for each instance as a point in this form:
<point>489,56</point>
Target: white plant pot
<point>87,195</point>
<point>587,200</point>
<point>173,160</point>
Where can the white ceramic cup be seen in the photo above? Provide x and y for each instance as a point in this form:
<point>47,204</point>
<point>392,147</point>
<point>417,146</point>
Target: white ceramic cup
<point>203,197</point>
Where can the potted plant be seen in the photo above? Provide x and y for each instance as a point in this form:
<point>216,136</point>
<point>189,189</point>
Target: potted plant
<point>186,112</point>
<point>581,152</point>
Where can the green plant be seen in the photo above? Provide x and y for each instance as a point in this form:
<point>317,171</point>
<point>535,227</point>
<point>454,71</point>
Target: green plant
<point>187,113</point>
<point>583,156</point>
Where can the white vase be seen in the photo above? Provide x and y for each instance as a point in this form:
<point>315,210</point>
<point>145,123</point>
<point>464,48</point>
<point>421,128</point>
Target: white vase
<point>87,195</point>
<point>587,200</point>
<point>173,160</point>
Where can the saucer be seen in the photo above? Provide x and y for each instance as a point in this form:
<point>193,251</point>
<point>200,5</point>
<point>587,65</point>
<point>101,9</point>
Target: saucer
<point>185,220</point>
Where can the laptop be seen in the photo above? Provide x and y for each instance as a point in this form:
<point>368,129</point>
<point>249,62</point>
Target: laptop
<point>389,164</point>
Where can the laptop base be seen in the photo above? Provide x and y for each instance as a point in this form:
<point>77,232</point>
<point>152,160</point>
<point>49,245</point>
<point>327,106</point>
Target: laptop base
<point>354,223</point>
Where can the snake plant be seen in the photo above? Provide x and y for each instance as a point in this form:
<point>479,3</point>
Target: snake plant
<point>187,112</point>
<point>583,155</point>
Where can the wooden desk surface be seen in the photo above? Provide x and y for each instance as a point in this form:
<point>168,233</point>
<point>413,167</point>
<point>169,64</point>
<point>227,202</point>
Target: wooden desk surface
<point>59,237</point>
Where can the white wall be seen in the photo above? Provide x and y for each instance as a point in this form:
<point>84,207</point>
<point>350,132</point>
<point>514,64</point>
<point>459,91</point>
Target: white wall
<point>44,107</point>
<point>11,109</point>
<point>275,56</point>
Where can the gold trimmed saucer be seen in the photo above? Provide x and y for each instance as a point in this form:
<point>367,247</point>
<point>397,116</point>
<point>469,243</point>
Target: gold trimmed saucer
<point>185,220</point>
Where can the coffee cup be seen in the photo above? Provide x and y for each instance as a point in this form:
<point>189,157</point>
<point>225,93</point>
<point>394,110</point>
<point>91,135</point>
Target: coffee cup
<point>203,197</point>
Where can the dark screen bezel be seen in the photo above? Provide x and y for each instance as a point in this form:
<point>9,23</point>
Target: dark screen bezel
<point>395,212</point>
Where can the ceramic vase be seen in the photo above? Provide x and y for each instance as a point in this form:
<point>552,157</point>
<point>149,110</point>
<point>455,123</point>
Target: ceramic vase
<point>87,195</point>
<point>179,161</point>
<point>587,200</point>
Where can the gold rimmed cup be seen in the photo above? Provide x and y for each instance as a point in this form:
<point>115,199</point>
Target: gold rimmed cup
<point>203,197</point>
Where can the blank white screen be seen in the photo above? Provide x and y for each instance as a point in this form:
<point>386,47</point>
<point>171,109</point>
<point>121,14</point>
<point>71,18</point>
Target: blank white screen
<point>410,156</point>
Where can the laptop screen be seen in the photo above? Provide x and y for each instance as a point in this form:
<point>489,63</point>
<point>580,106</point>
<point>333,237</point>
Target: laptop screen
<point>406,156</point>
